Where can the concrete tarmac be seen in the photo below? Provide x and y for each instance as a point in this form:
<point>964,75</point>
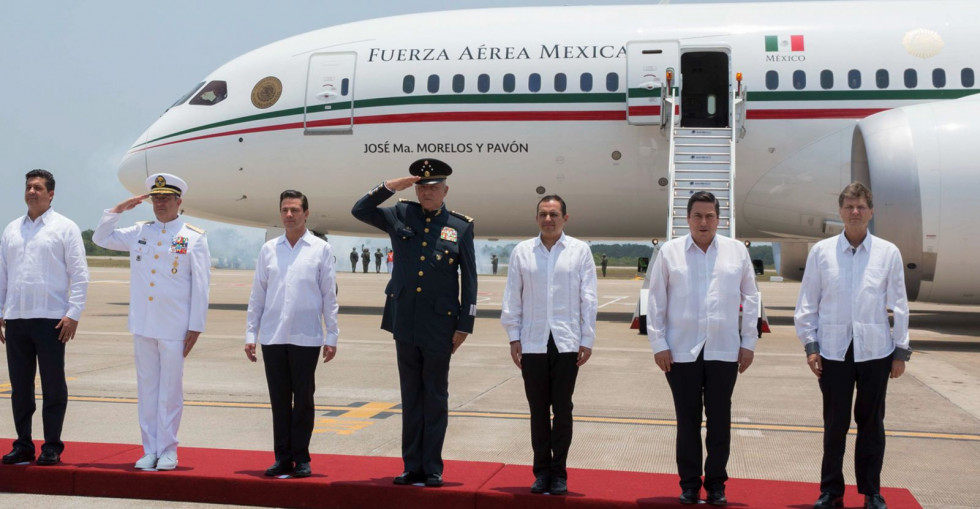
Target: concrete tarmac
<point>623,409</point>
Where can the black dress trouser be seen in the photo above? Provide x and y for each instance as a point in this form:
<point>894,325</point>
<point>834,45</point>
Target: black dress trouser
<point>837,385</point>
<point>424,378</point>
<point>289,371</point>
<point>33,343</point>
<point>549,381</point>
<point>708,385</point>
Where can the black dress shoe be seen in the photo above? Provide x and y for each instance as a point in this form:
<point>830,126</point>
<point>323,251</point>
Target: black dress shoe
<point>541,485</point>
<point>18,455</point>
<point>559,486</point>
<point>48,458</point>
<point>279,468</point>
<point>302,469</point>
<point>717,497</point>
<point>433,480</point>
<point>828,501</point>
<point>409,478</point>
<point>874,502</point>
<point>689,496</point>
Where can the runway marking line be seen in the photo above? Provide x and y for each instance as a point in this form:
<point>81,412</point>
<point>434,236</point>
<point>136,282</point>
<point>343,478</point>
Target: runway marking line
<point>383,409</point>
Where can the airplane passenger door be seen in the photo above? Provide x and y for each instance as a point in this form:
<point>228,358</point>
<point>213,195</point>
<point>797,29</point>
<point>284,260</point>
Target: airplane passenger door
<point>647,65</point>
<point>330,94</point>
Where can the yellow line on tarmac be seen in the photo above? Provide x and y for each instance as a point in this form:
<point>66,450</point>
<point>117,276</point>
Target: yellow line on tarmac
<point>371,409</point>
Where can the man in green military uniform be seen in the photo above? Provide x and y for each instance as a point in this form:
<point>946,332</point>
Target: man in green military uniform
<point>430,305</point>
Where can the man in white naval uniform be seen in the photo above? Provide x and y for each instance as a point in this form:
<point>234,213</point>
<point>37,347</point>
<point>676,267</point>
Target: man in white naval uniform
<point>170,269</point>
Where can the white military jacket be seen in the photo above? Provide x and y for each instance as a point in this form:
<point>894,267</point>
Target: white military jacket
<point>170,269</point>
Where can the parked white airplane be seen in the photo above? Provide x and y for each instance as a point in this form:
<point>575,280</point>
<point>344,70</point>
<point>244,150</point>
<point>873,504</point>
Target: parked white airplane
<point>566,100</point>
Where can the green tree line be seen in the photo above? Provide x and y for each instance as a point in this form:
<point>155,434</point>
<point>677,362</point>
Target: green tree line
<point>93,250</point>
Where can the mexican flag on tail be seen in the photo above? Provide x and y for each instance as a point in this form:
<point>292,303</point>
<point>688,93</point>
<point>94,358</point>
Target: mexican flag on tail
<point>784,43</point>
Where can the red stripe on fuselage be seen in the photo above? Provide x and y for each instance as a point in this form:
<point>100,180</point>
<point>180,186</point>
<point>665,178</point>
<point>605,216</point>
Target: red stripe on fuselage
<point>527,116</point>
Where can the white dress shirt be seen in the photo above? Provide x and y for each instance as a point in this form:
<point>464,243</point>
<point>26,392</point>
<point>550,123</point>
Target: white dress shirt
<point>293,294</point>
<point>43,272</point>
<point>169,274</point>
<point>694,298</point>
<point>550,292</point>
<point>846,293</point>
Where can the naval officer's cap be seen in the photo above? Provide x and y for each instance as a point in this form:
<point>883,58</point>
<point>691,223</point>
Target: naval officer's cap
<point>430,171</point>
<point>165,183</point>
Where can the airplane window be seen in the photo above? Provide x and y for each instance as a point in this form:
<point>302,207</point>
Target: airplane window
<point>509,82</point>
<point>212,93</point>
<point>585,82</point>
<point>612,82</point>
<point>712,104</point>
<point>186,96</point>
<point>534,82</point>
<point>459,83</point>
<point>966,77</point>
<point>433,85</point>
<point>408,84</point>
<point>826,79</point>
<point>881,78</point>
<point>938,78</point>
<point>772,80</point>
<point>345,86</point>
<point>483,83</point>
<point>799,80</point>
<point>854,78</point>
<point>560,82</point>
<point>911,78</point>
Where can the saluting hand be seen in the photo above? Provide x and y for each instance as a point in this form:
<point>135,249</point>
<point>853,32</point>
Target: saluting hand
<point>401,184</point>
<point>129,203</point>
<point>458,337</point>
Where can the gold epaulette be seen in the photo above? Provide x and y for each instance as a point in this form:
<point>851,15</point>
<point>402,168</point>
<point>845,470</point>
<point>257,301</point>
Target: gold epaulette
<point>145,222</point>
<point>410,202</point>
<point>194,228</point>
<point>462,216</point>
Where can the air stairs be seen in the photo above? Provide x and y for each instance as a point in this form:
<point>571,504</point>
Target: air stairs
<point>702,159</point>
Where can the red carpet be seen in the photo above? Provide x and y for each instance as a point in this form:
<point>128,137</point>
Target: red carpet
<point>236,477</point>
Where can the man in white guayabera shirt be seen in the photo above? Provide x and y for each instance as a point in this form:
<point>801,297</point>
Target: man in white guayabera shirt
<point>549,312</point>
<point>697,283</point>
<point>849,284</point>
<point>293,298</point>
<point>43,280</point>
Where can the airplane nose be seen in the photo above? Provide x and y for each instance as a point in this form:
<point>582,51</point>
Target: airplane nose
<point>132,168</point>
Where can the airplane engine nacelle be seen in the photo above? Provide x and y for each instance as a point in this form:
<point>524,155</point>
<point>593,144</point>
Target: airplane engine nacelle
<point>922,164</point>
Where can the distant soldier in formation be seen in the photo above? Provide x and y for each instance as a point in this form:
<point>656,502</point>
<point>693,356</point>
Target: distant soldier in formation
<point>43,282</point>
<point>365,259</point>
<point>353,260</point>
<point>378,255</point>
<point>850,283</point>
<point>493,263</point>
<point>430,305</point>
<point>170,269</point>
<point>605,263</point>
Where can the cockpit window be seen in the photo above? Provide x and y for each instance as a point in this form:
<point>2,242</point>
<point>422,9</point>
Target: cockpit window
<point>212,93</point>
<point>187,96</point>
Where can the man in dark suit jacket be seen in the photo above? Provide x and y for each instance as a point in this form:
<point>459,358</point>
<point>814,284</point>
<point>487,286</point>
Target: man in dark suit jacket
<point>424,308</point>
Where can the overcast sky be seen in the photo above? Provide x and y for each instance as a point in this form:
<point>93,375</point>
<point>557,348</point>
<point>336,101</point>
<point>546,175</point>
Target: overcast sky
<point>80,80</point>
